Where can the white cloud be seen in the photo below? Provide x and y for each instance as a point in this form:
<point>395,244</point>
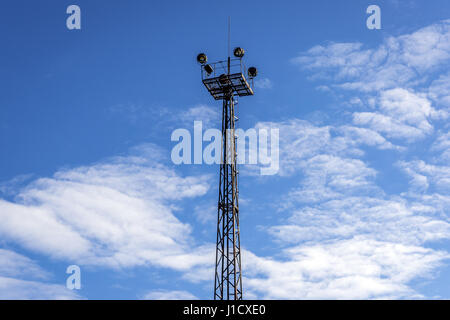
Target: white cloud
<point>13,264</point>
<point>210,116</point>
<point>15,289</point>
<point>363,136</point>
<point>401,60</point>
<point>14,268</point>
<point>426,175</point>
<point>300,141</point>
<point>169,295</point>
<point>392,79</point>
<point>116,213</point>
<point>328,177</point>
<point>206,213</point>
<point>263,83</point>
<point>401,114</point>
<point>385,124</point>
<point>439,91</point>
<point>442,144</point>
<point>343,236</point>
<point>395,220</point>
<point>341,245</point>
<point>357,268</point>
<point>408,107</point>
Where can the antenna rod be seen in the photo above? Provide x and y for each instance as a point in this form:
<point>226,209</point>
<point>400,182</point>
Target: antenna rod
<point>229,27</point>
<point>229,32</point>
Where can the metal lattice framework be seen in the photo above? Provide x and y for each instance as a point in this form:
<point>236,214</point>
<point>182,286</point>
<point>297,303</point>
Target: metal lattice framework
<point>233,72</point>
<point>226,80</point>
<point>228,277</point>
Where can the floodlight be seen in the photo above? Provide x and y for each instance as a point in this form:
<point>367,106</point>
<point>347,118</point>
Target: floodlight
<point>202,58</point>
<point>252,72</point>
<point>223,79</point>
<point>208,69</point>
<point>238,52</point>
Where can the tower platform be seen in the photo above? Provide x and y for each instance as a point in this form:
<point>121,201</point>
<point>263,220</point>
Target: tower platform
<point>221,80</point>
<point>218,86</point>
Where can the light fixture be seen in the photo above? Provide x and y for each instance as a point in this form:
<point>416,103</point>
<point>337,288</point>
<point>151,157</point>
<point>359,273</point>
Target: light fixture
<point>252,72</point>
<point>208,69</point>
<point>238,52</point>
<point>223,79</point>
<point>202,58</point>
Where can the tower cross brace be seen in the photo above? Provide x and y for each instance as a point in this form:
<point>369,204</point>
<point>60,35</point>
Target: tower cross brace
<point>228,276</point>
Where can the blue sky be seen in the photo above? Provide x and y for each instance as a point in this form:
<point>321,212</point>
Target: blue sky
<point>360,206</point>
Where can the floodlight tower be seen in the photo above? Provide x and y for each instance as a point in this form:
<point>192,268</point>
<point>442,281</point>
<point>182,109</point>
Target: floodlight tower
<point>226,80</point>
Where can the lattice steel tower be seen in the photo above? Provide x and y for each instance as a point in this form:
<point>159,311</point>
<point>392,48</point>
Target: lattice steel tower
<point>226,80</point>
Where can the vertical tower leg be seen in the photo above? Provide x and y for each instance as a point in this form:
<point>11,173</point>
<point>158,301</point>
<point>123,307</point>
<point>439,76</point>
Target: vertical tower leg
<point>228,278</point>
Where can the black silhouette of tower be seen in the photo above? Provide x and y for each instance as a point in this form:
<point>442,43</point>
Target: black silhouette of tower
<point>227,80</point>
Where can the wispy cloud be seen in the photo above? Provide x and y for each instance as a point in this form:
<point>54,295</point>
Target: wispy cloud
<point>342,235</point>
<point>22,278</point>
<point>442,146</point>
<point>426,175</point>
<point>169,295</point>
<point>396,80</point>
<point>16,289</point>
<point>402,114</point>
<point>116,213</point>
<point>210,116</point>
<point>300,141</point>
<point>264,83</point>
<point>13,264</point>
<point>357,268</point>
<point>402,60</point>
